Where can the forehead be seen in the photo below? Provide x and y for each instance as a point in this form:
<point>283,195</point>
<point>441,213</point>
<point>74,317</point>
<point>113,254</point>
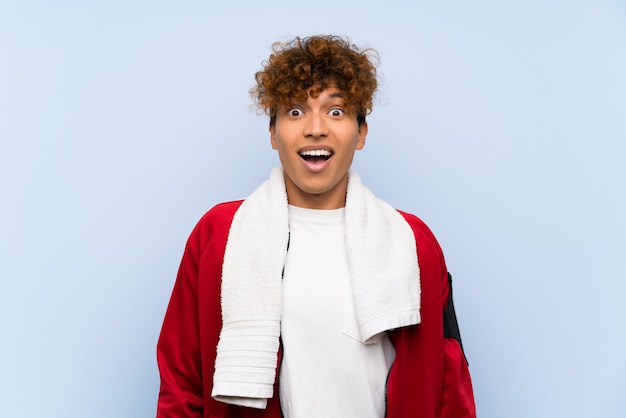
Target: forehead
<point>316,95</point>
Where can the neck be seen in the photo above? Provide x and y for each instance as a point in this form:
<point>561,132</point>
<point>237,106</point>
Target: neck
<point>334,198</point>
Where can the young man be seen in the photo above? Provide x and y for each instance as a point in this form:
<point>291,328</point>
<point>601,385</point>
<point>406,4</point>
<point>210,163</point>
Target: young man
<point>312,297</point>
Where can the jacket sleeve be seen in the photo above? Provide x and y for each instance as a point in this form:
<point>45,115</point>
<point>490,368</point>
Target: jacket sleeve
<point>178,349</point>
<point>458,396</point>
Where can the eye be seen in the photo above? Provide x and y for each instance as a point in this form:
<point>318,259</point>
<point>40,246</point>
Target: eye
<point>294,112</point>
<point>335,111</point>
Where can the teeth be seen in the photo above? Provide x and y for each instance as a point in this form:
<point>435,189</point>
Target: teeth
<point>316,153</point>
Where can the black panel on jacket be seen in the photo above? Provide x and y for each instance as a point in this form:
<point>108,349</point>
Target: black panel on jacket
<point>450,324</point>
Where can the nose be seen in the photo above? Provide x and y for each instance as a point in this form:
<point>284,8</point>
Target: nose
<point>315,126</point>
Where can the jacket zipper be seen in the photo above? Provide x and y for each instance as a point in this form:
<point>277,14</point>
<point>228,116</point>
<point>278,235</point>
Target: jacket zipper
<point>388,374</point>
<point>280,339</point>
<point>280,365</point>
<point>385,404</point>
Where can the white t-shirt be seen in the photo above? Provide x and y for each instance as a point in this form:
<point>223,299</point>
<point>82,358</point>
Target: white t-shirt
<point>324,372</point>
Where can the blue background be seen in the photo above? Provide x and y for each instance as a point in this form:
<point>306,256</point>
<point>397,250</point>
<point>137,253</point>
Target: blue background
<point>501,123</point>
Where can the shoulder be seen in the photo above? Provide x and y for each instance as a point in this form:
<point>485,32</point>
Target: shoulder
<point>428,249</point>
<point>433,270</point>
<point>215,223</point>
<point>423,234</point>
<point>219,214</point>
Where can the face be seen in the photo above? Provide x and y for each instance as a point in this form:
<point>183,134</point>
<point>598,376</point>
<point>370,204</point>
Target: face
<point>316,140</point>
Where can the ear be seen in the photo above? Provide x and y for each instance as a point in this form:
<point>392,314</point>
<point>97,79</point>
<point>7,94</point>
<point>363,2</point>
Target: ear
<point>273,135</point>
<point>360,143</point>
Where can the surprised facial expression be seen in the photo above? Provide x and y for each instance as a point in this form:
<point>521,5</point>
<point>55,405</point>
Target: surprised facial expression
<point>316,140</point>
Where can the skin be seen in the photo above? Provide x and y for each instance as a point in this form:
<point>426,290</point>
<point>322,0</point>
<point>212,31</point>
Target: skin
<point>319,123</point>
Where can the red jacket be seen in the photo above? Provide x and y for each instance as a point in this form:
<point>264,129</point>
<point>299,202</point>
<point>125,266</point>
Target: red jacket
<point>428,379</point>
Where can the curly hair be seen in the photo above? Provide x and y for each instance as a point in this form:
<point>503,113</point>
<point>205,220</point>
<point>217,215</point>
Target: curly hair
<point>309,65</point>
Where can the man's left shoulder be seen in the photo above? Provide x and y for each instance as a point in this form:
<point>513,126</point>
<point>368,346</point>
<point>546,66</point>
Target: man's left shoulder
<point>416,223</point>
<point>423,234</point>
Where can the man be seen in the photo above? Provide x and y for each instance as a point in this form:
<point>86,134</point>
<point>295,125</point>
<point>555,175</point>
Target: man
<point>312,297</point>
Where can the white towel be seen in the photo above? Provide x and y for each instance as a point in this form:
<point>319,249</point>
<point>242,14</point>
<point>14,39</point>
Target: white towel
<point>384,279</point>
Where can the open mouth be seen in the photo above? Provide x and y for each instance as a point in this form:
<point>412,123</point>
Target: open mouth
<point>316,155</point>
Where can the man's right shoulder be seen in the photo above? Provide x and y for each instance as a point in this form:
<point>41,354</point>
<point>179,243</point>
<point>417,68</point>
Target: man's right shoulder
<point>222,212</point>
<point>216,220</point>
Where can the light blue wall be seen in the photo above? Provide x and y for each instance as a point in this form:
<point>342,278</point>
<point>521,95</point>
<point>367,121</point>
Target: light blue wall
<point>502,124</point>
